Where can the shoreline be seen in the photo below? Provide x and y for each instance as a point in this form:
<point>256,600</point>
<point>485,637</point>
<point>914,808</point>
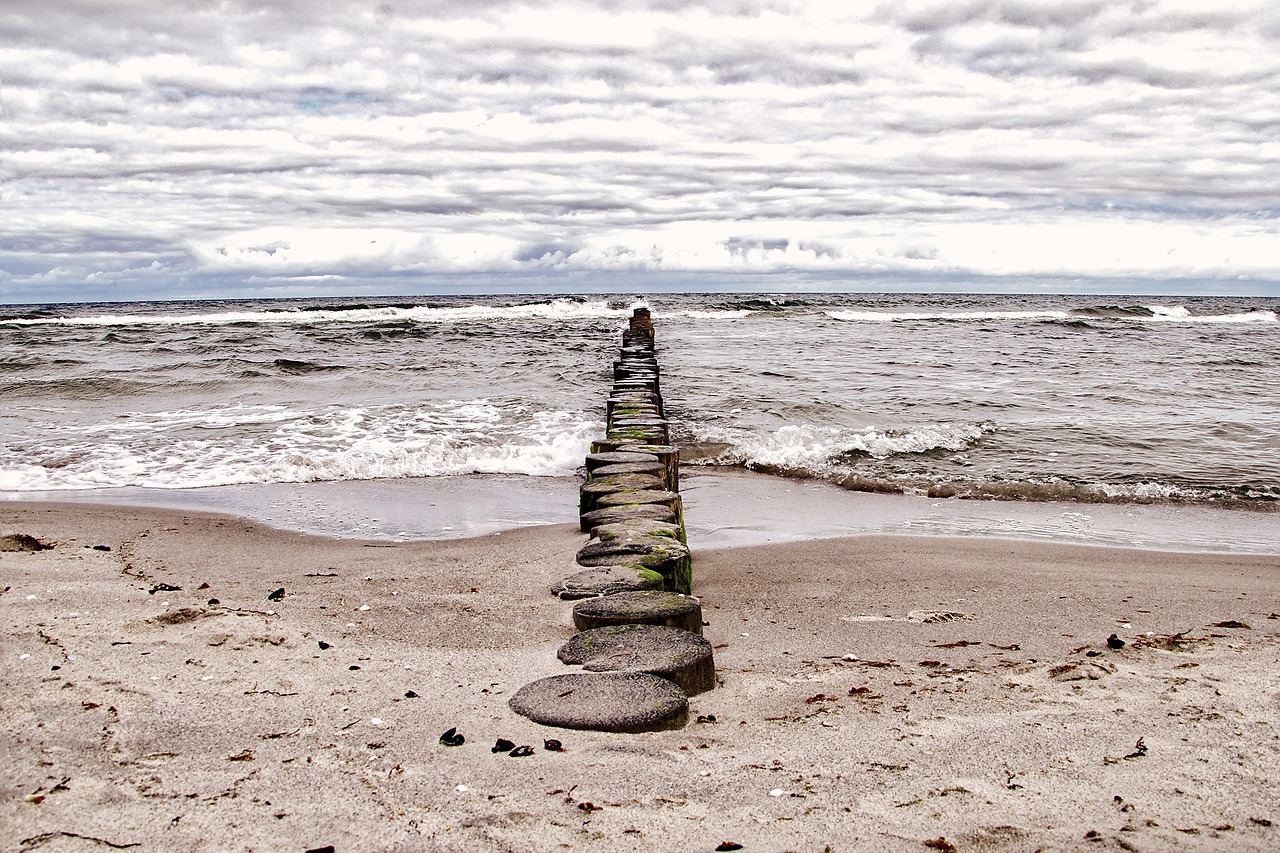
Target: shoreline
<point>137,711</point>
<point>725,509</point>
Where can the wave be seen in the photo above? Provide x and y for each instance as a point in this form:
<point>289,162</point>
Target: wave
<point>1140,313</point>
<point>1181,314</point>
<point>822,451</point>
<point>766,304</point>
<point>556,310</point>
<point>905,462</point>
<point>296,367</point>
<point>716,314</point>
<point>1172,314</point>
<point>1262,499</point>
<point>93,388</point>
<point>273,444</point>
<point>852,316</point>
<point>1113,311</point>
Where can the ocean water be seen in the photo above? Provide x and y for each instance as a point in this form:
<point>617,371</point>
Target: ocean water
<point>1030,398</point>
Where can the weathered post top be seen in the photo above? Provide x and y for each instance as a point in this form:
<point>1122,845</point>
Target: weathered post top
<point>641,323</point>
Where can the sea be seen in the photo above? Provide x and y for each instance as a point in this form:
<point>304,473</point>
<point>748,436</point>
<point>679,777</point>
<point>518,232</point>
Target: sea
<point>991,401</point>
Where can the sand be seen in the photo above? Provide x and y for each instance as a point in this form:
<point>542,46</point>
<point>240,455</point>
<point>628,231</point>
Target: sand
<point>136,714</point>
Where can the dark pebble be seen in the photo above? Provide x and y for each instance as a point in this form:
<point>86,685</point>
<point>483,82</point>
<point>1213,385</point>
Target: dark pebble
<point>452,738</point>
<point>353,667</point>
<point>522,752</point>
<point>213,602</point>
<point>553,745</point>
<point>409,694</point>
<point>503,745</point>
<point>1115,642</point>
<point>323,645</point>
<point>278,595</point>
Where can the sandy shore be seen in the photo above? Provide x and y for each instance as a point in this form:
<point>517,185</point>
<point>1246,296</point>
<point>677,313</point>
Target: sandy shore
<point>140,714</point>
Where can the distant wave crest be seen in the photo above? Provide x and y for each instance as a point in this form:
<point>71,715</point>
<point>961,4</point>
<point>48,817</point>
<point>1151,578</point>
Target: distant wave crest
<point>853,316</point>
<point>556,310</point>
<point>1139,313</point>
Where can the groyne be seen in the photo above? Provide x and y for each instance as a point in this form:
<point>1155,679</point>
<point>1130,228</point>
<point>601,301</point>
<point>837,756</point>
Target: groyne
<point>639,642</point>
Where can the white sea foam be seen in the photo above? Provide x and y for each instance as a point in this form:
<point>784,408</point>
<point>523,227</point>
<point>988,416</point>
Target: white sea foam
<point>1159,314</point>
<point>958,316</point>
<point>265,444</point>
<point>556,310</point>
<point>1181,314</point>
<point>711,314</point>
<point>817,449</point>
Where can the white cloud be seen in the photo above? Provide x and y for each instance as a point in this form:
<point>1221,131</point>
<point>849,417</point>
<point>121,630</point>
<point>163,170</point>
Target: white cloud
<point>156,148</point>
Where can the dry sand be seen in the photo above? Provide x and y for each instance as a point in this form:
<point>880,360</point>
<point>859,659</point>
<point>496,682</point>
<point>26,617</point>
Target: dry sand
<point>136,714</point>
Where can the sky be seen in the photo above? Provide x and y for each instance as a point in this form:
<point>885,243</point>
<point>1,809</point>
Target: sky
<point>154,149</point>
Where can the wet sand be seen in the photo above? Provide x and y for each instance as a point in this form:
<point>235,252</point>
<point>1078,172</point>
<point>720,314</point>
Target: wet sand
<point>724,508</point>
<point>136,711</point>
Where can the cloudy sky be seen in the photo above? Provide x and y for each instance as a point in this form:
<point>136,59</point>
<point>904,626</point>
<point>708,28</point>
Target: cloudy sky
<point>164,149</point>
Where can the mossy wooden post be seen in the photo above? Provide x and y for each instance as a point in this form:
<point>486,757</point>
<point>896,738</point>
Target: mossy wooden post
<point>677,655</point>
<point>639,608</point>
<point>640,626</point>
<point>641,326</point>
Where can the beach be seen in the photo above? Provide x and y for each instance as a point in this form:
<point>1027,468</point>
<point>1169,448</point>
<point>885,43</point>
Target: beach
<point>160,693</point>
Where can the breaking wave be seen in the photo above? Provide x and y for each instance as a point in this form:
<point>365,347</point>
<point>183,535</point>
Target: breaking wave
<point>1257,498</point>
<point>942,316</point>
<point>272,444</point>
<point>556,310</point>
<point>1140,313</point>
<point>820,451</point>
